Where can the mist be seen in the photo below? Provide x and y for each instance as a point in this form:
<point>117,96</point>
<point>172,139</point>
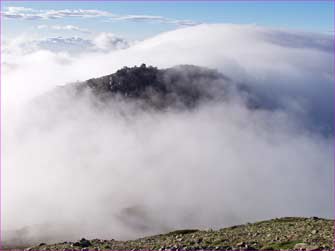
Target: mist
<point>72,168</point>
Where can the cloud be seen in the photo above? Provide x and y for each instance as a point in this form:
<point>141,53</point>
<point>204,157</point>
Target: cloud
<point>64,27</point>
<point>217,165</point>
<point>181,22</point>
<point>108,41</point>
<point>104,41</point>
<point>146,18</point>
<point>32,14</point>
<point>139,18</point>
<point>302,40</point>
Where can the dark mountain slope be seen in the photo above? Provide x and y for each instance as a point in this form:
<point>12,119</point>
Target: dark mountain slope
<point>184,85</point>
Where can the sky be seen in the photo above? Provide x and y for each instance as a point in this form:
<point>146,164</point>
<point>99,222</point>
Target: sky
<point>140,20</point>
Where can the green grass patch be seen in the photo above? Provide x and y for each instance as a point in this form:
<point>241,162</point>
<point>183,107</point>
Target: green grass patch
<point>283,245</point>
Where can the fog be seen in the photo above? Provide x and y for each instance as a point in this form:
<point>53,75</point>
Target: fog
<point>72,169</point>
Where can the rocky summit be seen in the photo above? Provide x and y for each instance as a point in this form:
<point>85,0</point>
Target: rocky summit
<point>182,86</point>
<point>288,233</point>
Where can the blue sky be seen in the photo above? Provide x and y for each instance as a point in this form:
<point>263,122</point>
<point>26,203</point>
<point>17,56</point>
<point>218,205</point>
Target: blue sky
<point>309,16</point>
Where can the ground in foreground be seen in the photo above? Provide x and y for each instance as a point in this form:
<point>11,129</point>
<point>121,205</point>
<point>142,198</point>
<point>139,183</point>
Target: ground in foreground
<point>288,233</point>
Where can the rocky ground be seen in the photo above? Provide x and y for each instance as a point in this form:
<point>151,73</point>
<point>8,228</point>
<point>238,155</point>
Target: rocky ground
<point>278,234</point>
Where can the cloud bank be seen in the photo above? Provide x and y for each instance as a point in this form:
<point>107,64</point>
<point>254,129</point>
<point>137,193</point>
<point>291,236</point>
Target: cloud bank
<point>114,171</point>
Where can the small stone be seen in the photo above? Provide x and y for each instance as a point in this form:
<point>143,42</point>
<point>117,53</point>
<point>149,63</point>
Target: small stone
<point>314,232</point>
<point>312,248</point>
<point>304,246</point>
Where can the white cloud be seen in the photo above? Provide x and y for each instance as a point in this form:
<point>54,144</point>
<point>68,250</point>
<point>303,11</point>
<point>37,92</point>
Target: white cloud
<point>182,22</point>
<point>203,168</point>
<point>24,45</point>
<point>32,14</point>
<point>146,18</point>
<point>109,41</point>
<point>42,26</point>
<point>138,18</point>
<point>64,27</point>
